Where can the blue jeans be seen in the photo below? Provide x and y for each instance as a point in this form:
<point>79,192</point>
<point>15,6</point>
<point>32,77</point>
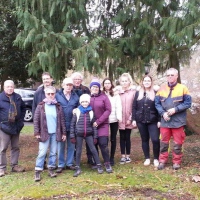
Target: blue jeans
<point>68,161</point>
<point>43,147</point>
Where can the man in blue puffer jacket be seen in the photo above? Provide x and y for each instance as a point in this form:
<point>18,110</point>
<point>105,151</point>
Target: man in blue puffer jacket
<point>12,112</point>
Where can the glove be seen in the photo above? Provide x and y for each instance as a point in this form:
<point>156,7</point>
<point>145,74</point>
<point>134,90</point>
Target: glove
<point>95,140</point>
<point>73,140</point>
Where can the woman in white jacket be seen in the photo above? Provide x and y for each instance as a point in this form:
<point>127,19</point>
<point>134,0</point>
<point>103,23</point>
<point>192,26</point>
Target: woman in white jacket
<point>115,115</point>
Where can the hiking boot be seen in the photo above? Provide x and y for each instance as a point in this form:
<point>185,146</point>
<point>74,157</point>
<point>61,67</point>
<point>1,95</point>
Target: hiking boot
<point>2,172</point>
<point>77,172</point>
<point>156,162</point>
<point>52,174</point>
<point>37,176</point>
<point>112,162</point>
<point>161,166</point>
<point>122,161</point>
<point>17,168</point>
<point>147,162</point>
<point>108,167</point>
<point>99,169</point>
<point>71,167</point>
<point>128,160</point>
<point>176,166</point>
<point>59,170</point>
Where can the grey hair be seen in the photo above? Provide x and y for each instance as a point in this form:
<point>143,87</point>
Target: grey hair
<point>173,69</point>
<point>76,74</point>
<point>50,88</point>
<point>9,81</point>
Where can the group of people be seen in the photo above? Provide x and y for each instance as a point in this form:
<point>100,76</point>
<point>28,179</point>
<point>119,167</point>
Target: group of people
<point>64,118</point>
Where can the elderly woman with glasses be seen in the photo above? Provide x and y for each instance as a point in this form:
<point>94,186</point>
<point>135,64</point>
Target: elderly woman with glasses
<point>49,128</point>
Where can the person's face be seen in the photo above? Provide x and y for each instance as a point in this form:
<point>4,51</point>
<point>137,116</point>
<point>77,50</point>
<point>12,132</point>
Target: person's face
<point>8,88</point>
<point>172,77</point>
<point>77,81</point>
<point>68,88</point>
<point>107,85</point>
<point>125,83</point>
<point>147,82</point>
<point>94,89</point>
<point>85,104</point>
<point>46,79</point>
<point>50,94</point>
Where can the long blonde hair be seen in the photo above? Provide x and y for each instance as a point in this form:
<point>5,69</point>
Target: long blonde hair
<point>128,76</point>
<point>151,93</point>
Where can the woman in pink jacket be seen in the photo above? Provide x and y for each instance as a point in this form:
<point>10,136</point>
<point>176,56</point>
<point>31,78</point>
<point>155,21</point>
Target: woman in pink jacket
<point>127,95</point>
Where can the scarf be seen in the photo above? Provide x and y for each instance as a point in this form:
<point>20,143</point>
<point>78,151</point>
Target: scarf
<point>12,110</point>
<point>171,86</point>
<point>84,110</point>
<point>47,101</point>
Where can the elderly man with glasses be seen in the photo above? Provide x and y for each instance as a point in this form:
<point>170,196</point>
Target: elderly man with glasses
<point>172,101</point>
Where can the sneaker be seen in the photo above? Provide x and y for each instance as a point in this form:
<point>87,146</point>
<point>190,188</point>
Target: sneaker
<point>99,169</point>
<point>52,174</point>
<point>147,162</point>
<point>161,166</point>
<point>17,168</point>
<point>156,162</point>
<point>37,176</point>
<point>128,160</point>
<point>122,161</point>
<point>108,167</point>
<point>59,170</point>
<point>2,172</point>
<point>77,172</point>
<point>176,166</point>
<point>71,167</point>
<point>112,162</point>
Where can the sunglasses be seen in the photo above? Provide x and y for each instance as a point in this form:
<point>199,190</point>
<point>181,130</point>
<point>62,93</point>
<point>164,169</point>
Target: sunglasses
<point>170,75</point>
<point>50,94</point>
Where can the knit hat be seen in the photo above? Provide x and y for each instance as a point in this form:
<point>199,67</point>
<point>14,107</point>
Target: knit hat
<point>95,81</point>
<point>84,97</point>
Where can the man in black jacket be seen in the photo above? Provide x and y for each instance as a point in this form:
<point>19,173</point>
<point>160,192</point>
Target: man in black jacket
<point>12,112</point>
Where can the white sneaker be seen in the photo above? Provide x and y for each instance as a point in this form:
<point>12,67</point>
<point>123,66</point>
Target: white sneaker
<point>147,162</point>
<point>156,163</point>
<point>122,161</point>
<point>128,160</point>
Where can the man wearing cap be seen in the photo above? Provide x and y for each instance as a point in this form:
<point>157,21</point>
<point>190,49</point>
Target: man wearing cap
<point>68,100</point>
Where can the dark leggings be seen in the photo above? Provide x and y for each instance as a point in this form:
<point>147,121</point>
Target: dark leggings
<point>103,145</point>
<point>90,142</point>
<point>148,131</point>
<point>125,141</point>
<point>113,138</point>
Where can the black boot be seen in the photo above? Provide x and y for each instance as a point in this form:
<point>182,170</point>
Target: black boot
<point>77,172</point>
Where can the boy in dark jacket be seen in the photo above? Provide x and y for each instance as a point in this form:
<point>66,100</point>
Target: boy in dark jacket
<point>82,128</point>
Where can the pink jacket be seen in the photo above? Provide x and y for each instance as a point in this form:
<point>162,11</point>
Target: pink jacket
<point>127,102</point>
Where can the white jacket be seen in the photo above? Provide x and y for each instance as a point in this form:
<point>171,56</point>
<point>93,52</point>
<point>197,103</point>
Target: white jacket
<point>116,108</point>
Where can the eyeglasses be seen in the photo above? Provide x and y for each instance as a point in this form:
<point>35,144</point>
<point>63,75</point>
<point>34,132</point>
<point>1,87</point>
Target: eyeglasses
<point>50,94</point>
<point>170,75</point>
<point>76,79</point>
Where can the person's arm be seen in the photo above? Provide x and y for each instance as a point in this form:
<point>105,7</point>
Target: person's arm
<point>23,110</point>
<point>134,108</point>
<point>106,113</point>
<point>73,126</point>
<point>118,108</point>
<point>37,129</point>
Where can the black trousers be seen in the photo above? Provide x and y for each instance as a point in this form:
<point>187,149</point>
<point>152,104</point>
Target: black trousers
<point>125,141</point>
<point>113,138</point>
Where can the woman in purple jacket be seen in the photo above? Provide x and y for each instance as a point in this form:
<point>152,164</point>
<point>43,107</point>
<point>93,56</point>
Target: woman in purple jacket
<point>102,109</point>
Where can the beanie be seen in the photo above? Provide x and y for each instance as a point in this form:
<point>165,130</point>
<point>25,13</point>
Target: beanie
<point>96,82</point>
<point>84,97</point>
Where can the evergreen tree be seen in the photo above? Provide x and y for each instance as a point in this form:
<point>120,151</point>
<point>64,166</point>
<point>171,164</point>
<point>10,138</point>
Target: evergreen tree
<point>114,35</point>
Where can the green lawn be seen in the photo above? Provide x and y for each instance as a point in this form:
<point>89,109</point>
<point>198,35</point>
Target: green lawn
<point>129,181</point>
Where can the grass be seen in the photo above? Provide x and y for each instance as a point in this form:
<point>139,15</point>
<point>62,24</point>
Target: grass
<point>129,181</point>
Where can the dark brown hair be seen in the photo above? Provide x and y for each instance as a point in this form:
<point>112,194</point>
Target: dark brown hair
<point>111,92</point>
